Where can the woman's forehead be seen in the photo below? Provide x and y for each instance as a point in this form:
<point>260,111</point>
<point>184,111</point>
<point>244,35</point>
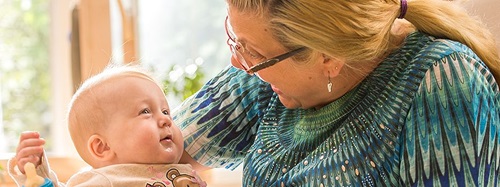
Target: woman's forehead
<point>249,29</point>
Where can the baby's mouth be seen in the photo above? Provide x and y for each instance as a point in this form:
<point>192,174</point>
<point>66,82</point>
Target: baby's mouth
<point>167,138</point>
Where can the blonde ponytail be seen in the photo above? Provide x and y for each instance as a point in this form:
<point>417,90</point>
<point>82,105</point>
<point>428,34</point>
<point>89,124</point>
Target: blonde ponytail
<point>448,19</point>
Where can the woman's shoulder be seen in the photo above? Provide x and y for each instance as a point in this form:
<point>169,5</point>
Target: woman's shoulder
<point>449,55</point>
<point>427,52</point>
<point>431,48</point>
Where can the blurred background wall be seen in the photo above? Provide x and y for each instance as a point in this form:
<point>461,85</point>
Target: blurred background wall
<point>489,12</point>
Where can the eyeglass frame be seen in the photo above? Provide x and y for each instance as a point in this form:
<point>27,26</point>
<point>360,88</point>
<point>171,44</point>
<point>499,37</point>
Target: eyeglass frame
<point>234,46</point>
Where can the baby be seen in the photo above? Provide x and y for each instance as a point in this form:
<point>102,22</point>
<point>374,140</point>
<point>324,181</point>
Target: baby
<point>120,124</point>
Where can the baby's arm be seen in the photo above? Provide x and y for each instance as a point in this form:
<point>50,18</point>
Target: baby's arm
<point>30,150</point>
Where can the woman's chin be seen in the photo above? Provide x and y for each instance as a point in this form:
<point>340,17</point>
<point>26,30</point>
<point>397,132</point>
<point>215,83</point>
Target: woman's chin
<point>288,102</point>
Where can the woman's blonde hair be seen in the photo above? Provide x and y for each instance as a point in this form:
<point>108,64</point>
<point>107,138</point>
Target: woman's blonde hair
<point>360,30</point>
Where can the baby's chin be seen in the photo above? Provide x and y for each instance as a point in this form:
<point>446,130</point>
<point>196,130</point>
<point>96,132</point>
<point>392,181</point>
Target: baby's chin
<point>171,155</point>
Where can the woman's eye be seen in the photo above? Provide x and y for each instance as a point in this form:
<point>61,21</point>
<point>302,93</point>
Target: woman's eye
<point>146,111</point>
<point>255,56</point>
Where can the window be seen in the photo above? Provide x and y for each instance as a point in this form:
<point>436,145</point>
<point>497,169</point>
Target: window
<point>25,86</point>
<point>181,38</point>
<point>178,39</point>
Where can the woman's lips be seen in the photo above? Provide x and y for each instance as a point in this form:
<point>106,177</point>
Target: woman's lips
<point>278,91</point>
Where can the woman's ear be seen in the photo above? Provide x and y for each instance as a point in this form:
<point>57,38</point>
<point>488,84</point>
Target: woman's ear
<point>331,65</point>
<point>99,148</point>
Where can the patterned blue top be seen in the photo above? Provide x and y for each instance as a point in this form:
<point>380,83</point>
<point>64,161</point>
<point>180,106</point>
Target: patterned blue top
<point>428,115</point>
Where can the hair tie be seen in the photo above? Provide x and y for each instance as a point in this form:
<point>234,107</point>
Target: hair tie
<point>404,7</point>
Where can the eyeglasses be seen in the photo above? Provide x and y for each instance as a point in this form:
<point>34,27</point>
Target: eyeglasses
<point>237,51</point>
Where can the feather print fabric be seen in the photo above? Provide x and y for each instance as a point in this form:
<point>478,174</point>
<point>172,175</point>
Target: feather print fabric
<point>427,116</point>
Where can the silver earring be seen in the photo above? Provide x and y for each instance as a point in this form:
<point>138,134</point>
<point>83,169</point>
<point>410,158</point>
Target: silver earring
<point>329,85</point>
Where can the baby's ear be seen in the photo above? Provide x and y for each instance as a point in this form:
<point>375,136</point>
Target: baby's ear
<point>99,149</point>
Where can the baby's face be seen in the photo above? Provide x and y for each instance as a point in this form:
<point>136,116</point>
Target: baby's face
<point>139,126</point>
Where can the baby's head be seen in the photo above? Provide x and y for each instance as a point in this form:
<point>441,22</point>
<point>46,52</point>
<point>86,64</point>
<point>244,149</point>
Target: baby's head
<point>121,116</point>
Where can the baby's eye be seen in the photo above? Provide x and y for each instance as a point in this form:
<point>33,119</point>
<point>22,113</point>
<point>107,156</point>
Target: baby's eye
<point>166,112</point>
<point>145,111</point>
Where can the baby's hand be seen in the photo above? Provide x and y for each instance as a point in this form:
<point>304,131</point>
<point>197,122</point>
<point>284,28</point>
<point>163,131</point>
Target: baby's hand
<point>30,149</point>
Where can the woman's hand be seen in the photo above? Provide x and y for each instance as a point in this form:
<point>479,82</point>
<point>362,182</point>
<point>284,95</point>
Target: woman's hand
<point>29,149</point>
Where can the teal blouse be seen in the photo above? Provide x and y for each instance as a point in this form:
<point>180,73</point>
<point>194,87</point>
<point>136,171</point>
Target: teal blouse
<point>429,115</point>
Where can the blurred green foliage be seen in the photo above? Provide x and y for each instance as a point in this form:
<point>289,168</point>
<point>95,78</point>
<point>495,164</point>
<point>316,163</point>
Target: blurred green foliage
<point>183,82</point>
<point>24,69</point>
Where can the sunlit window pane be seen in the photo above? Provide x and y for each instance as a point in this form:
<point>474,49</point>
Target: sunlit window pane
<point>25,85</point>
<point>181,40</point>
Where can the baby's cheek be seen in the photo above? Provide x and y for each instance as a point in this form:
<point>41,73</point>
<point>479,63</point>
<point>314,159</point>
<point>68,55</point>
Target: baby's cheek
<point>180,142</point>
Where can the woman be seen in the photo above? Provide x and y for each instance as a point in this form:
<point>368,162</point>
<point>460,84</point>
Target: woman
<point>361,93</point>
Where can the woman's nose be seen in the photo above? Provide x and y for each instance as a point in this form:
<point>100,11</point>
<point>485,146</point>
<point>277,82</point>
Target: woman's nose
<point>235,63</point>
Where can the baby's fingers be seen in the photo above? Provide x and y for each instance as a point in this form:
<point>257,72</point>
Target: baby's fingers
<point>28,135</point>
<point>29,154</point>
<point>30,149</point>
<point>24,160</point>
<point>30,143</point>
<point>29,139</point>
